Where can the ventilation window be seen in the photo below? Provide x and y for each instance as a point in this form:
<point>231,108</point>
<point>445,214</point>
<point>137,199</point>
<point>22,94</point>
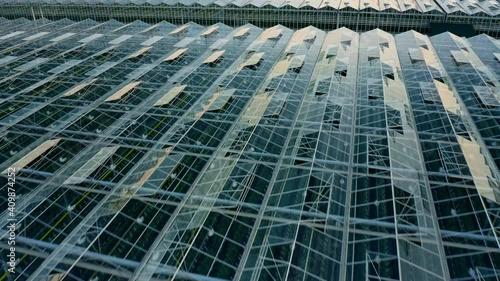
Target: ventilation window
<point>394,120</point>
<point>332,51</point>
<point>373,53</point>
<point>459,126</point>
<point>459,57</point>
<point>341,72</point>
<point>273,83</point>
<point>374,90</point>
<point>253,62</point>
<point>179,31</point>
<point>486,97</point>
<point>415,55</point>
<point>214,58</point>
<point>176,55</point>
<point>276,106</point>
<point>323,87</point>
<point>384,43</point>
<point>345,43</point>
<point>429,93</point>
<point>297,63</point>
<point>408,117</point>
<point>333,113</point>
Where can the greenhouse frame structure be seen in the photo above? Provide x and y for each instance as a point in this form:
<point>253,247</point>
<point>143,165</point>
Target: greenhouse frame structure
<point>154,152</point>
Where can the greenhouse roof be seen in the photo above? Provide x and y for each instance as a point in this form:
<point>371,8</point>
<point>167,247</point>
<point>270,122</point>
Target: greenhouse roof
<point>160,151</point>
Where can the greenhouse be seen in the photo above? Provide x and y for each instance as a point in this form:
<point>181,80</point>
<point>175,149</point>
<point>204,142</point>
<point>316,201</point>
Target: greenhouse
<point>162,151</point>
<point>393,16</point>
